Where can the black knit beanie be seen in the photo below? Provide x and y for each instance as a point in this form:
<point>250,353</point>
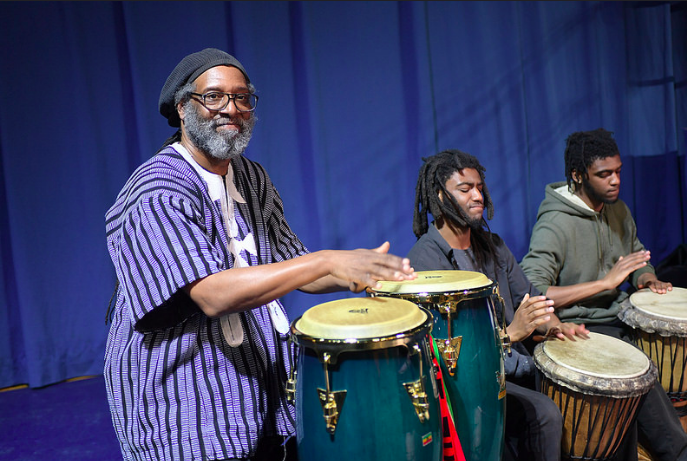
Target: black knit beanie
<point>187,71</point>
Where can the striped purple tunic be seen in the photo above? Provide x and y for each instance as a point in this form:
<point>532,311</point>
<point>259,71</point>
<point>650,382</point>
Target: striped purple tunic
<point>177,390</point>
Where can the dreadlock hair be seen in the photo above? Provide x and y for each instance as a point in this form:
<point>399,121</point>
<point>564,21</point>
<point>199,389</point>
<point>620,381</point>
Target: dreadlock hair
<point>431,180</point>
<point>584,147</point>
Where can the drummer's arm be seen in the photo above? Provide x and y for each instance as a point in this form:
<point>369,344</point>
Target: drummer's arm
<point>565,296</point>
<point>243,288</point>
<point>326,284</point>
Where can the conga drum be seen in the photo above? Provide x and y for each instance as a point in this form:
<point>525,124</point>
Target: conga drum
<point>365,387</point>
<point>660,326</point>
<point>467,335</point>
<point>599,385</point>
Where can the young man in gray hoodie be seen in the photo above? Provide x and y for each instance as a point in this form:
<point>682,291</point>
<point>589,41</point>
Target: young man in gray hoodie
<point>583,247</point>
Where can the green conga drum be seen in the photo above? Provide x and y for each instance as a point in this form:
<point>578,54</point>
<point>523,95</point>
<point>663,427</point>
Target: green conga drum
<point>365,388</point>
<point>467,340</point>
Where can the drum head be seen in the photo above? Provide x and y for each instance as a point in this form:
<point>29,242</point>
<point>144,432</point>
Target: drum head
<point>598,365</point>
<point>436,282</point>
<point>360,318</point>
<point>669,306</point>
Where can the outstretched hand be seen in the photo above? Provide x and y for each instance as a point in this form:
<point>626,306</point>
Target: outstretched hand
<point>624,267</point>
<point>364,268</point>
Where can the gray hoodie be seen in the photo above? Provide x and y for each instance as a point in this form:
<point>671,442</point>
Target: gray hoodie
<point>571,244</point>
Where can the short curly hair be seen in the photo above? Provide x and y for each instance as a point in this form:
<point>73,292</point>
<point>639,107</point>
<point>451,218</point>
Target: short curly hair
<point>584,147</point>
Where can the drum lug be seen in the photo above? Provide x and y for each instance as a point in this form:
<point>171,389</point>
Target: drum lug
<point>291,387</point>
<point>416,389</point>
<point>505,340</point>
<point>417,394</point>
<point>503,334</point>
<point>332,403</point>
<point>450,350</point>
<point>291,381</point>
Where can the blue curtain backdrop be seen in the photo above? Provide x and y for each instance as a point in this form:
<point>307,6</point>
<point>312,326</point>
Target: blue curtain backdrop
<point>352,96</point>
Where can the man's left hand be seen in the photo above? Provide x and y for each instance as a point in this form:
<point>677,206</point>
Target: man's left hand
<point>651,282</point>
<point>565,330</point>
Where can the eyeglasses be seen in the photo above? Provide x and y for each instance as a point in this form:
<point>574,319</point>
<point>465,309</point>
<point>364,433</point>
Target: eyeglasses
<point>215,100</point>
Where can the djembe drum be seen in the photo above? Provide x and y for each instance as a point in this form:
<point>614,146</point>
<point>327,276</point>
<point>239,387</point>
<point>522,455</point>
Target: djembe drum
<point>470,349</point>
<point>660,326</point>
<point>599,385</point>
<point>364,385</point>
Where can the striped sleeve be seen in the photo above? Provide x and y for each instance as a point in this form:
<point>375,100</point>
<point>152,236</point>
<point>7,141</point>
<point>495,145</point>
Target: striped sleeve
<point>163,250</point>
<point>160,239</point>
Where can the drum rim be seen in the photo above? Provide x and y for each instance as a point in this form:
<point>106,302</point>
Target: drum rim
<point>439,298</point>
<point>649,322</point>
<point>334,347</point>
<point>488,283</point>
<point>618,387</point>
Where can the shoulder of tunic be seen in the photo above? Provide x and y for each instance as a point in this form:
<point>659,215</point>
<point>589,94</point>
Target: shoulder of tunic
<point>167,173</point>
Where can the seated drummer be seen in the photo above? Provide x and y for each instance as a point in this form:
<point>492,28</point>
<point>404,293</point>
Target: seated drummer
<point>451,187</point>
<point>584,245</point>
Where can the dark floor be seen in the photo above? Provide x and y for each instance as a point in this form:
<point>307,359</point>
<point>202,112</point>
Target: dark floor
<point>69,421</point>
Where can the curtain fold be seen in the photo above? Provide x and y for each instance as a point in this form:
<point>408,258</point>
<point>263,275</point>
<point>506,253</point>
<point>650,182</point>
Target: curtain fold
<point>352,96</point>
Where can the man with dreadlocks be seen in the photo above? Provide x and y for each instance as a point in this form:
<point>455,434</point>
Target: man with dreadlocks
<point>197,355</point>
<point>584,245</point>
<point>452,189</point>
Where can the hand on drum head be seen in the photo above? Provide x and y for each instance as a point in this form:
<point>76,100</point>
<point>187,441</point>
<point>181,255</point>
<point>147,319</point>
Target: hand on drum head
<point>563,331</point>
<point>363,268</point>
<point>530,315</point>
<point>649,280</point>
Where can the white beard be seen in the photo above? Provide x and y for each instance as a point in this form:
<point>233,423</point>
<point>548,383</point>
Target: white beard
<point>219,145</point>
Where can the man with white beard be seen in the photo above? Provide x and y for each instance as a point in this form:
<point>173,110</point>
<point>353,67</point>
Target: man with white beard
<point>197,356</point>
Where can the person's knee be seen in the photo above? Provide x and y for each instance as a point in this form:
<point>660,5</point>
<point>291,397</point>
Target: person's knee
<point>550,418</point>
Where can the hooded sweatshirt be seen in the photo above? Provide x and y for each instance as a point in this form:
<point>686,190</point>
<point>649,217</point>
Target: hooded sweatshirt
<point>571,244</point>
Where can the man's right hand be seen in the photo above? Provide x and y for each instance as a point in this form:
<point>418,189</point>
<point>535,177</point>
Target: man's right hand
<point>364,268</point>
<point>622,269</point>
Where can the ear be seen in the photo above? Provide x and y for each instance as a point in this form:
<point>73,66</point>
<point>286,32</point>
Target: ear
<point>180,111</point>
<point>441,195</point>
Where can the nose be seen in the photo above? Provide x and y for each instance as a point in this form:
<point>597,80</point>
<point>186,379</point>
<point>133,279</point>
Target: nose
<point>477,195</point>
<point>615,179</point>
<point>231,109</point>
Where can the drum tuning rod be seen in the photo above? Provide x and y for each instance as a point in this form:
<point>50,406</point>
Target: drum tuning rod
<point>450,347</point>
<point>416,391</point>
<point>291,387</point>
<point>332,402</point>
<point>291,382</point>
